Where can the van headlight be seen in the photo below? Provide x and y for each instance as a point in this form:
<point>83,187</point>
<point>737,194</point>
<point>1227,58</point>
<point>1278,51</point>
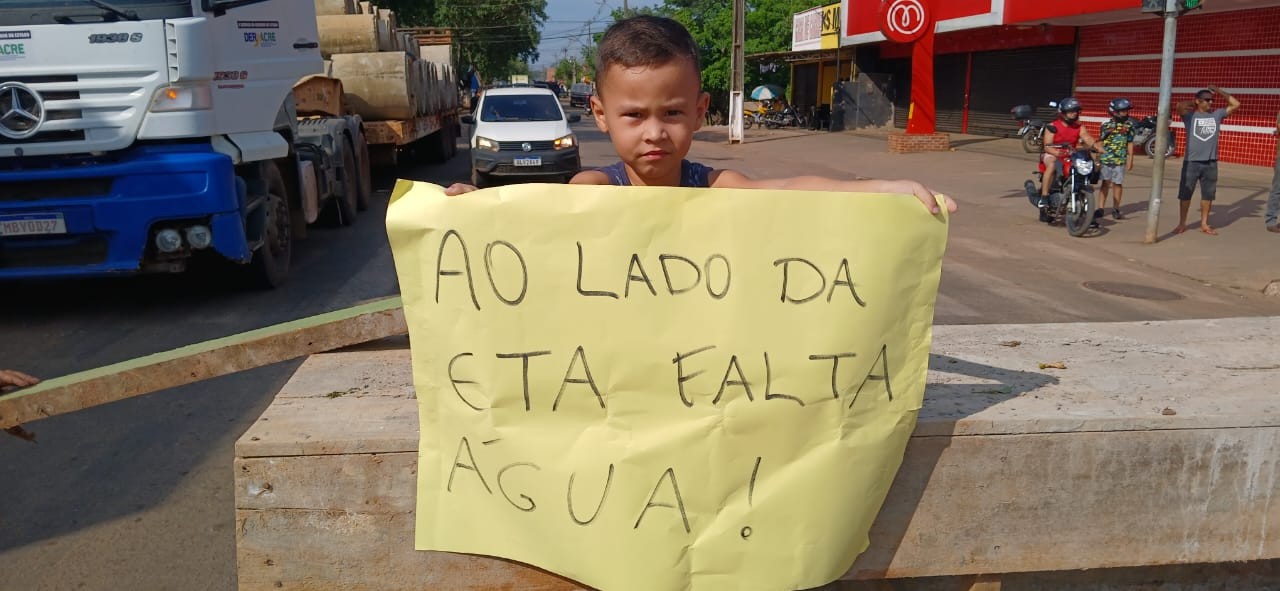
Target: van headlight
<point>567,141</point>
<point>484,143</point>
<point>1084,165</point>
<point>192,97</point>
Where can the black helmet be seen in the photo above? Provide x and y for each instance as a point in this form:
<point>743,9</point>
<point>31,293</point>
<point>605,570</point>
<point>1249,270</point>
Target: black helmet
<point>1068,105</point>
<point>1120,104</point>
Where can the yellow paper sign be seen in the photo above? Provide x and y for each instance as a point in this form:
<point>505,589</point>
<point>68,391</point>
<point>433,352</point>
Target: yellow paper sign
<point>645,388</point>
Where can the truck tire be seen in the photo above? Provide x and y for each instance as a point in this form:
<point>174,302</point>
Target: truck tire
<point>270,265</point>
<point>342,211</point>
<point>479,179</point>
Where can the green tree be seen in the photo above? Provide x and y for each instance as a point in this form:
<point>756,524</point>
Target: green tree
<point>768,29</point>
<point>411,13</point>
<point>493,35</point>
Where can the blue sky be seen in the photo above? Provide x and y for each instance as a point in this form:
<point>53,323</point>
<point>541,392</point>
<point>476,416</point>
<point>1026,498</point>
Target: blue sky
<point>568,24</point>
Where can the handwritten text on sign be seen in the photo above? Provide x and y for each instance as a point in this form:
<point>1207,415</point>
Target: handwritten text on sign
<point>661,389</point>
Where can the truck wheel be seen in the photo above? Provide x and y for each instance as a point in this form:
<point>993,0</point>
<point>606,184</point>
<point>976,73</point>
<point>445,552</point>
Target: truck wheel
<point>342,211</point>
<point>270,265</point>
<point>479,179</point>
<point>365,175</point>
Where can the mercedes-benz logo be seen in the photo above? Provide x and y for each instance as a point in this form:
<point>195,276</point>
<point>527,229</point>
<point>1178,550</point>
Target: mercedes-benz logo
<point>21,111</point>
<point>528,147</point>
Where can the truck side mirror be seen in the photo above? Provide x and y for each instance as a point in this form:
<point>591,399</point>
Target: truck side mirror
<point>469,119</point>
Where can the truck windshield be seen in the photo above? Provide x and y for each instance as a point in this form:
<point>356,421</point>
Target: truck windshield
<point>520,107</point>
<point>45,12</point>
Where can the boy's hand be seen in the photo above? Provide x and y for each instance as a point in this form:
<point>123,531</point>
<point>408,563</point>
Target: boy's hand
<point>1129,166</point>
<point>1213,88</point>
<point>16,379</point>
<point>924,194</point>
<point>459,188</point>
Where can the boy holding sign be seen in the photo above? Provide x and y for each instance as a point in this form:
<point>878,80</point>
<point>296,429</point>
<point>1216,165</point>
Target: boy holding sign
<point>649,100</point>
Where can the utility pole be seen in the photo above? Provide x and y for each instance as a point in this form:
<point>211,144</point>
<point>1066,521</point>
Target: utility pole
<point>738,78</point>
<point>1172,9</point>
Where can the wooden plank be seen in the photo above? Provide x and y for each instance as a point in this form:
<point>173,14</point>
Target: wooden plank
<point>319,95</point>
<point>200,361</point>
<point>301,549</point>
<point>367,483</point>
<point>306,427</point>
<point>401,132</point>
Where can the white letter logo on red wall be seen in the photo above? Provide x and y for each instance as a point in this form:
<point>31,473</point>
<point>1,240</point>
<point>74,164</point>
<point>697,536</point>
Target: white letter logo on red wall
<point>904,21</point>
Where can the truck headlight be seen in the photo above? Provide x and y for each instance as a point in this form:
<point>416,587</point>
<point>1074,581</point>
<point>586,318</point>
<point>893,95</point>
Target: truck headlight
<point>485,143</point>
<point>196,97</point>
<point>1084,165</point>
<point>567,141</point>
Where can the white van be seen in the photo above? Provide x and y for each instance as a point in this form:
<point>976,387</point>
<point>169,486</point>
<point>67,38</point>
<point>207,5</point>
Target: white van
<point>522,132</point>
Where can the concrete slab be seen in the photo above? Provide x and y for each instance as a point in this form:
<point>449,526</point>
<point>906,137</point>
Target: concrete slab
<point>1154,444</point>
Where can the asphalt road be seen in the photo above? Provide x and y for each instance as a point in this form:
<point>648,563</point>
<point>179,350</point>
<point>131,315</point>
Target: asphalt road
<point>138,494</point>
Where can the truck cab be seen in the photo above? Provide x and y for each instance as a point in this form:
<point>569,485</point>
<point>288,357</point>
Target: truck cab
<point>134,133</point>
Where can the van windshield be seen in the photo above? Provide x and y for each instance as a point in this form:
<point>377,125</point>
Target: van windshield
<point>520,107</point>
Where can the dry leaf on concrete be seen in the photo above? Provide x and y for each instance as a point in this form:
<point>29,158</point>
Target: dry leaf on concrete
<point>1054,365</point>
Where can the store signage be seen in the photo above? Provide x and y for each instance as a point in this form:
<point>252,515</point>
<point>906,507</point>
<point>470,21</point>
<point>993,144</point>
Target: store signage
<point>904,21</point>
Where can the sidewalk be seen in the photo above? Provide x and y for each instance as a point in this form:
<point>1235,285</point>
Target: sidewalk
<point>985,175</point>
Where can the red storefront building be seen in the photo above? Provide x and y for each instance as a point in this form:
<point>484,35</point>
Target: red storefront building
<point>993,54</point>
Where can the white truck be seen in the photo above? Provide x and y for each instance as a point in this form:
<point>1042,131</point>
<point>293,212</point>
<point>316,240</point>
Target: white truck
<point>135,134</point>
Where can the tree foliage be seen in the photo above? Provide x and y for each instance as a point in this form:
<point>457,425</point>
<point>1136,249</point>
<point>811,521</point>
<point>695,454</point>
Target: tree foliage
<point>496,37</point>
<point>492,34</point>
<point>768,29</point>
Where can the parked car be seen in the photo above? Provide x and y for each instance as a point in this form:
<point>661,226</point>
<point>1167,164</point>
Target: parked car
<point>522,132</point>
<point>580,95</point>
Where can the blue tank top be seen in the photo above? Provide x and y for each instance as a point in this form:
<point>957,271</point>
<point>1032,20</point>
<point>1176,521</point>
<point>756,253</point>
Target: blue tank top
<point>692,174</point>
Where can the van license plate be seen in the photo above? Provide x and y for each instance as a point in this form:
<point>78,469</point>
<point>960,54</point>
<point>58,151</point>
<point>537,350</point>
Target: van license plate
<point>28,224</point>
<point>528,162</point>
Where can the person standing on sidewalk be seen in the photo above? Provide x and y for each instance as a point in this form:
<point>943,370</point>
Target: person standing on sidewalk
<point>1117,155</point>
<point>1200,163</point>
<point>1273,202</point>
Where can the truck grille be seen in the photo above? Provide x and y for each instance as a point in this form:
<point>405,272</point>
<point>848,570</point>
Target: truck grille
<point>88,112</point>
<point>519,146</point>
<point>19,253</point>
<point>52,98</point>
<point>55,189</point>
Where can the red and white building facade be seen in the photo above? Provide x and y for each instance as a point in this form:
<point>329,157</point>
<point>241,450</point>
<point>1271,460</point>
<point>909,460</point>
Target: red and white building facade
<point>993,54</point>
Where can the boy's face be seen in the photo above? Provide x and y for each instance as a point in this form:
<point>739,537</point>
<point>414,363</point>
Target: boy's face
<point>651,114</point>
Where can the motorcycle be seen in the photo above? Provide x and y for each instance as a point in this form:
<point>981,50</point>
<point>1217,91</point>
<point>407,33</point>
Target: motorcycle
<point>787,117</point>
<point>1071,197</point>
<point>1144,134</point>
<point>1032,131</point>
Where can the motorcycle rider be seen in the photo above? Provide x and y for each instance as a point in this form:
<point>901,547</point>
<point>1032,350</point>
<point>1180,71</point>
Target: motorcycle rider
<point>1117,154</point>
<point>1070,131</point>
